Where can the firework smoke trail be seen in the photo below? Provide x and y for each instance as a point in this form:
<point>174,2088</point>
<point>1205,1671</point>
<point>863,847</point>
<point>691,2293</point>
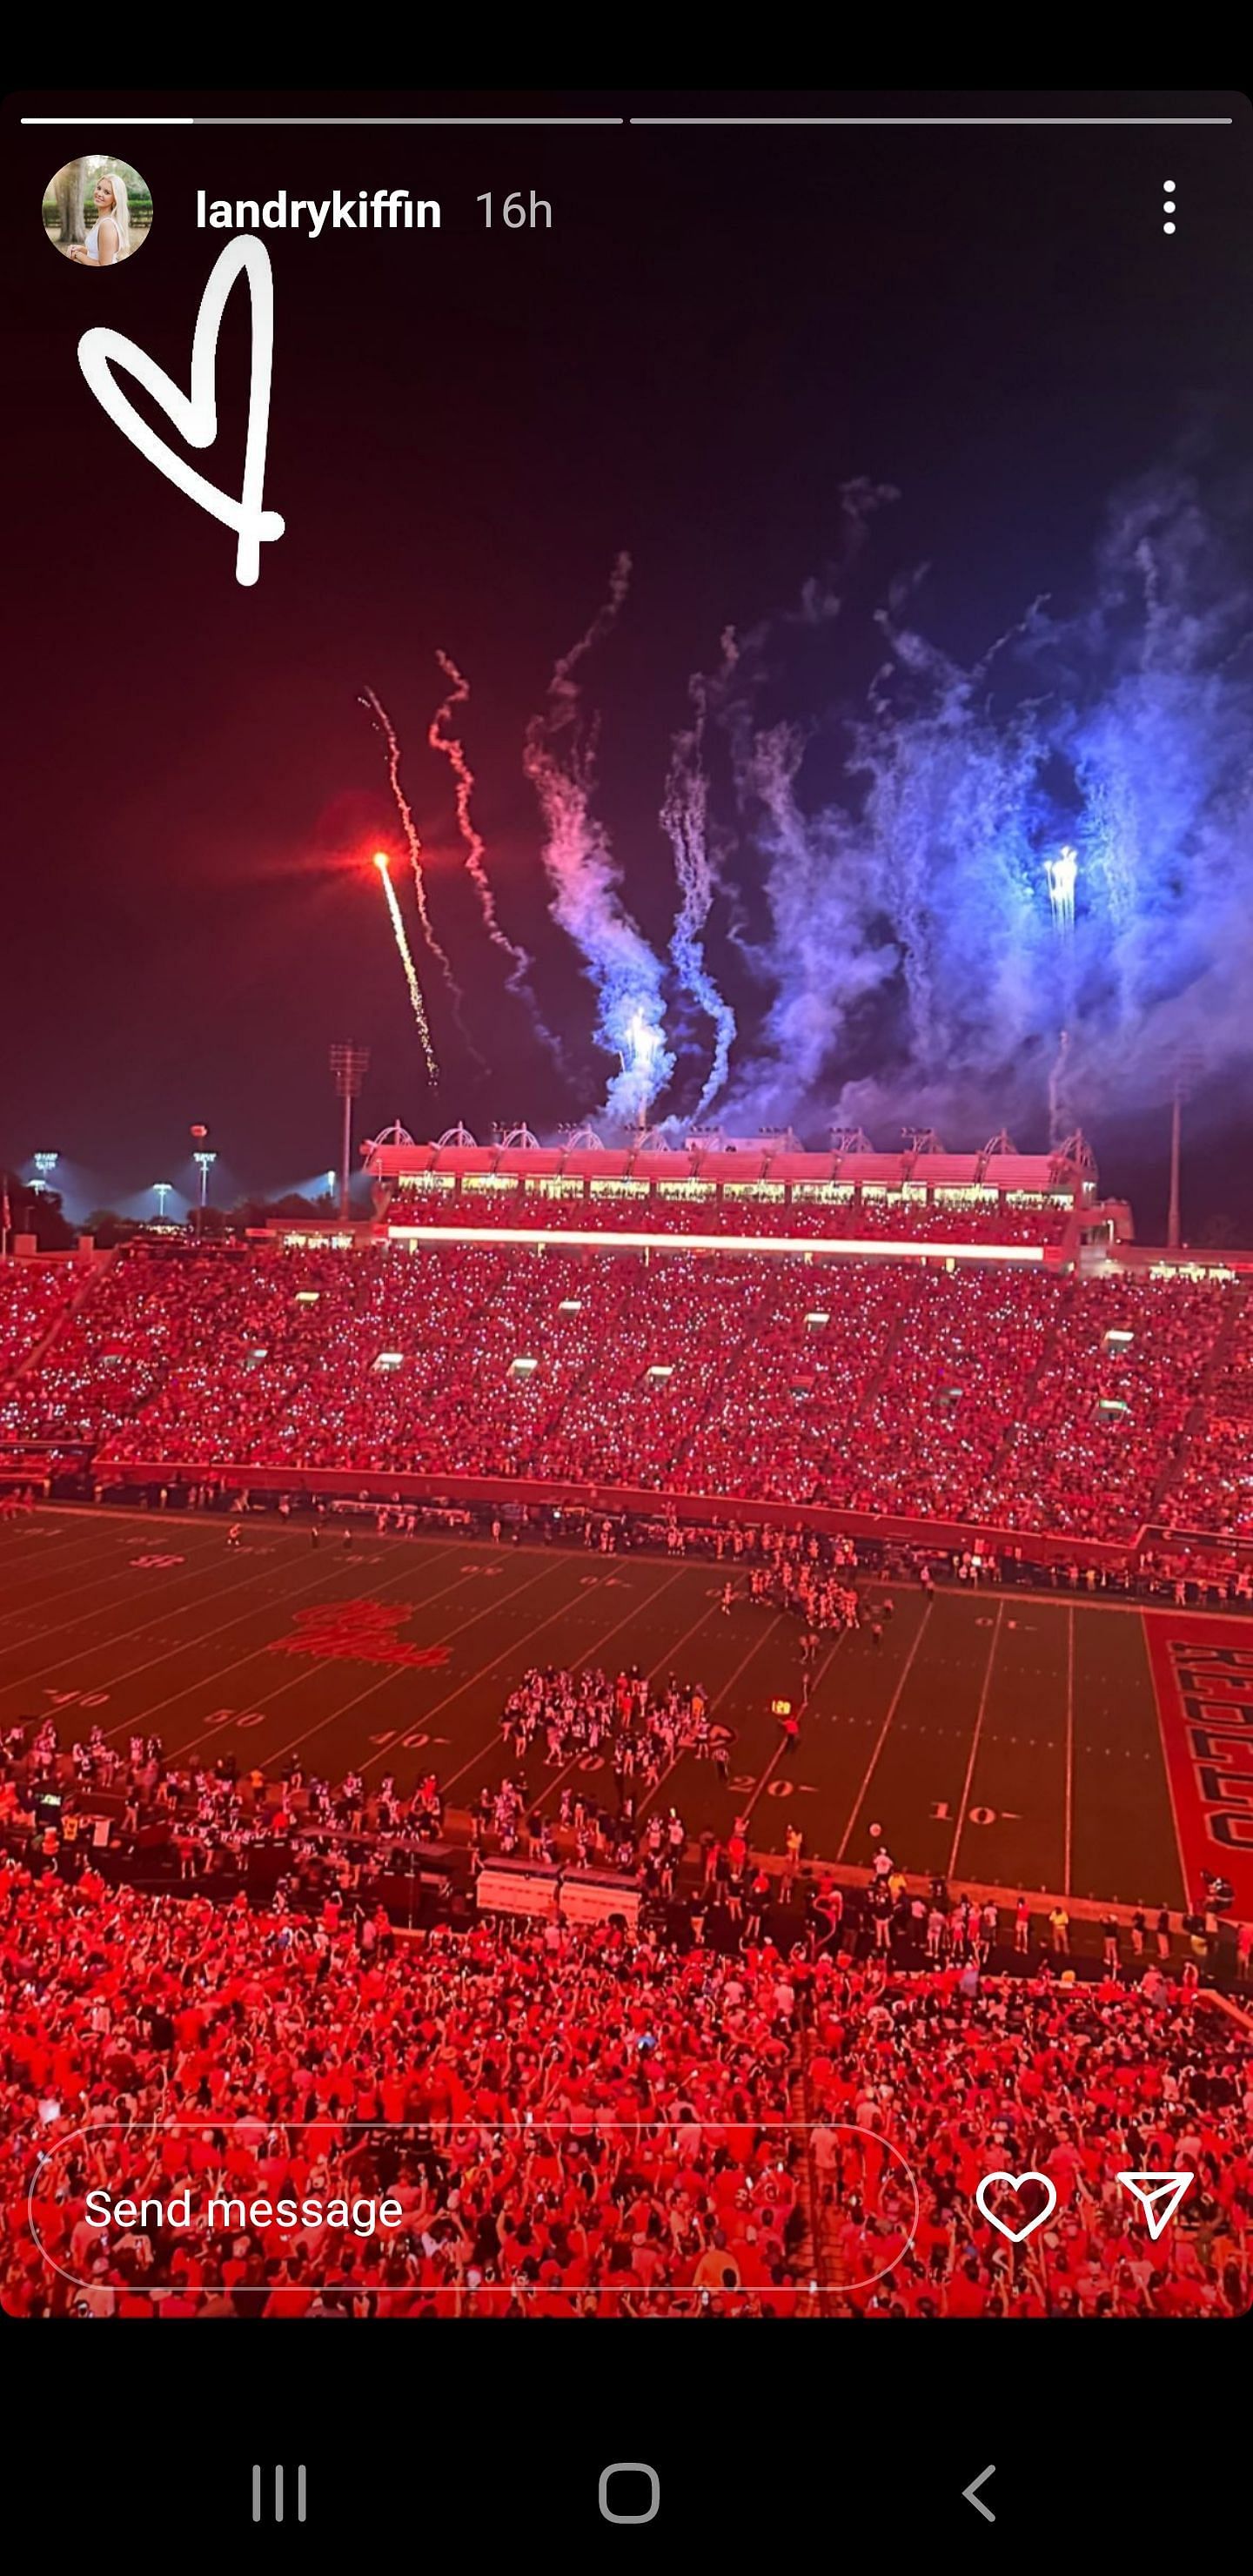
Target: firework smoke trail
<point>449,743</point>
<point>820,905</point>
<point>911,917</point>
<point>559,759</point>
<point>475,847</point>
<point>1059,1119</point>
<point>685,820</point>
<point>413,844</point>
<point>411,972</point>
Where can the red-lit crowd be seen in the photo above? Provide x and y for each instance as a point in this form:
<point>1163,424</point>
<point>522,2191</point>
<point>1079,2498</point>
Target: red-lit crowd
<point>33,1294</point>
<point>586,2123</point>
<point>569,2123</point>
<point>1215,1488</point>
<point>971,2076</point>
<point>834,1211</point>
<point>1007,1398</point>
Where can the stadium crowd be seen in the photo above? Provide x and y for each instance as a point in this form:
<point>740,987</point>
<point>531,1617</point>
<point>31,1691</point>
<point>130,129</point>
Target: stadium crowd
<point>1215,1488</point>
<point>757,1209</point>
<point>970,2075</point>
<point>572,2122</point>
<point>1007,1398</point>
<point>576,2120</point>
<point>33,1294</point>
<point>770,2093</point>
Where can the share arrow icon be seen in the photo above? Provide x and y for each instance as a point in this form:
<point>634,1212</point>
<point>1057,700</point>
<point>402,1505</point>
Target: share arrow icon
<point>1159,2195</point>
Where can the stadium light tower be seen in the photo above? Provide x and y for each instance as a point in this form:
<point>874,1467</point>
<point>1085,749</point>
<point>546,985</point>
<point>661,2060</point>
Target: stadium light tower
<point>45,1166</point>
<point>350,1064</point>
<point>204,1163</point>
<point>1186,1070</point>
<point>161,1191</point>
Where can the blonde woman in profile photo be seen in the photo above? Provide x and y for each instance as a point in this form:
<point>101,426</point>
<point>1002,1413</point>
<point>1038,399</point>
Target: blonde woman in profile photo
<point>109,238</point>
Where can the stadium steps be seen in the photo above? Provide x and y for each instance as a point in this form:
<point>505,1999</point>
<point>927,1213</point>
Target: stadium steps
<point>731,1358</point>
<point>807,2258</point>
<point>824,2250</point>
<point>878,1377</point>
<point>1026,1394</point>
<point>1213,1379</point>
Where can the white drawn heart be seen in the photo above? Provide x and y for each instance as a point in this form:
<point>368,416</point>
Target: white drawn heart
<point>195,415</point>
<point>1016,2181</point>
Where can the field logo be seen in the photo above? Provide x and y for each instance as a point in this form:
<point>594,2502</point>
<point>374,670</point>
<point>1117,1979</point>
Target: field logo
<point>357,1632</point>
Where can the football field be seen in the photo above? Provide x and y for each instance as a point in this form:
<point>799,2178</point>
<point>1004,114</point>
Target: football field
<point>1006,1740</point>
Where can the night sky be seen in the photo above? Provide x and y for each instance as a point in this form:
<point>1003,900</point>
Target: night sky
<point>720,329</point>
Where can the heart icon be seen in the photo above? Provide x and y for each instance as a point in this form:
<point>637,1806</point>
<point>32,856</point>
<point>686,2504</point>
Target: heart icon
<point>195,415</point>
<point>1016,2235</point>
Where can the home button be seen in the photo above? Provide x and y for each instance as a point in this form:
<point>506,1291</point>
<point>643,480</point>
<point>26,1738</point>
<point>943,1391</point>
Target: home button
<point>636,2492</point>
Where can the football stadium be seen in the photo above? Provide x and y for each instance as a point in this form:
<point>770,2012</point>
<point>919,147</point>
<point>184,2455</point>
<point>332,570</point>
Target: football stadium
<point>626,1602</point>
<point>649,1716</point>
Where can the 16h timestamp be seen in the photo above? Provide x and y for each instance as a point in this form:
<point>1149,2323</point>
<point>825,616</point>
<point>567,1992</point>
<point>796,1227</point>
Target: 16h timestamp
<point>516,210</point>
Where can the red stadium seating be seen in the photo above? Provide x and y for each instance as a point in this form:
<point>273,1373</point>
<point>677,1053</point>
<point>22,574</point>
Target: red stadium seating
<point>1008,1398</point>
<point>32,1296</point>
<point>887,1216</point>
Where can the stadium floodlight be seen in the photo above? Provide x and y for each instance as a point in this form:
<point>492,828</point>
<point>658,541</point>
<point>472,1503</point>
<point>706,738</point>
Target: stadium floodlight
<point>204,1161</point>
<point>45,1166</point>
<point>350,1064</point>
<point>161,1191</point>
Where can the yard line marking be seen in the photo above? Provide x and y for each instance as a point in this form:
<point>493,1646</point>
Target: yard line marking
<point>275,1753</point>
<point>268,1698</point>
<point>168,1653</point>
<point>882,1738</point>
<point>89,1531</point>
<point>471,1678</point>
<point>191,1573</point>
<point>649,1670</point>
<point>37,1555</point>
<point>101,1645</point>
<point>715,1702</point>
<point>782,1745</point>
<point>974,1742</point>
<point>1070,1744</point>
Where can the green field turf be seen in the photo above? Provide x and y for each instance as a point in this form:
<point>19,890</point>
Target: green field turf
<point>1006,1740</point>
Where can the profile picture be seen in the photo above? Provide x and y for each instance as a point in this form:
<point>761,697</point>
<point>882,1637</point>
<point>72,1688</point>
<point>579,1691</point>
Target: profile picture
<point>97,211</point>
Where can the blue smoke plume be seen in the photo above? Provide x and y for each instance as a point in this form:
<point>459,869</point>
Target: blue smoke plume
<point>685,820</point>
<point>910,917</point>
<point>559,758</point>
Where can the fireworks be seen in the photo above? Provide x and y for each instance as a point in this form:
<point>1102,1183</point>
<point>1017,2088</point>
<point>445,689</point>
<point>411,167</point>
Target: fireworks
<point>559,759</point>
<point>412,842</point>
<point>685,820</point>
<point>442,739</point>
<point>1060,875</point>
<point>475,848</point>
<point>382,863</point>
<point>879,862</point>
